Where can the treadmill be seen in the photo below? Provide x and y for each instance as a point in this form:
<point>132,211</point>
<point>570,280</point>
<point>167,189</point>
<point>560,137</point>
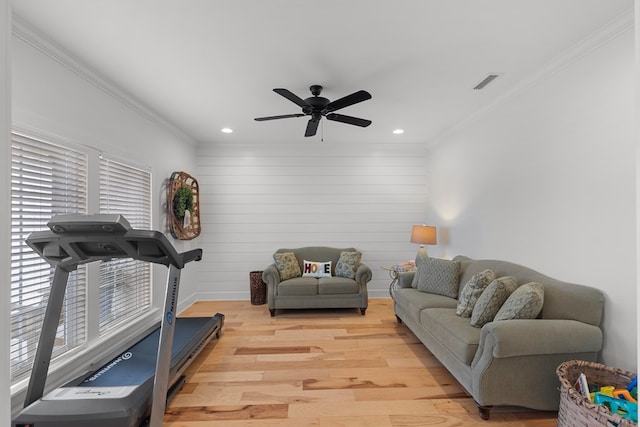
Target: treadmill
<point>132,389</point>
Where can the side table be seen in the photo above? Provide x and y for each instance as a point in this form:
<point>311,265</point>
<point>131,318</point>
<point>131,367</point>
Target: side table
<point>394,272</point>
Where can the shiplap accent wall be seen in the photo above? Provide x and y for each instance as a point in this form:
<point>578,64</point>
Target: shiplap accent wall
<point>256,199</point>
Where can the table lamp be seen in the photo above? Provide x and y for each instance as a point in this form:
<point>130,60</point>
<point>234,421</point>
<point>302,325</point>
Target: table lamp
<point>424,235</point>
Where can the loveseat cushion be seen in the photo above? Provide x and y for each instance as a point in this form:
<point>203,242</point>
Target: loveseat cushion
<point>337,285</point>
<point>299,286</point>
<point>454,332</point>
<point>437,276</point>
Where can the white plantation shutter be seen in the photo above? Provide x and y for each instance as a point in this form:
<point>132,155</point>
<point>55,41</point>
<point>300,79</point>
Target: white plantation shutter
<point>125,284</point>
<point>46,179</point>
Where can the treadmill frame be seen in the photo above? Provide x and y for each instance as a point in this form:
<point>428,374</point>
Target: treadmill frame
<point>80,239</point>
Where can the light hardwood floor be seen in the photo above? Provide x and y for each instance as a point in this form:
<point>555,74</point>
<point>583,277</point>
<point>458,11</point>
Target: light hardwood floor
<point>323,368</point>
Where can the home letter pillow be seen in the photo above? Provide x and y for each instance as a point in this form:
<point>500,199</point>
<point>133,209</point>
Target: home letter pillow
<point>492,299</point>
<point>438,276</point>
<point>524,303</point>
<point>287,265</point>
<point>316,269</point>
<point>472,290</point>
<point>348,264</point>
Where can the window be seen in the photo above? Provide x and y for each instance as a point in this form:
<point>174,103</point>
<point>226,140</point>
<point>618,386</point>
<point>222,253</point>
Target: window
<point>125,284</point>
<point>46,179</point>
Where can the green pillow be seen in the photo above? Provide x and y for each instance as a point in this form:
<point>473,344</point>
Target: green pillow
<point>524,303</point>
<point>492,299</point>
<point>438,276</point>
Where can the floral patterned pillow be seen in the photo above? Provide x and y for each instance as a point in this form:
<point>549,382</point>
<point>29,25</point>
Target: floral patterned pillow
<point>287,265</point>
<point>492,299</point>
<point>472,291</point>
<point>348,264</point>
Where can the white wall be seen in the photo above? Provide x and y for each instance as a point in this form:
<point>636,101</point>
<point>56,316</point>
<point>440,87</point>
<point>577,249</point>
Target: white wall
<point>547,179</point>
<point>5,213</point>
<point>63,101</point>
<point>256,199</point>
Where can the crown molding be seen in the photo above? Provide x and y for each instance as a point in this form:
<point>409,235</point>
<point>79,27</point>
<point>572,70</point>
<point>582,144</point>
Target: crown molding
<point>30,35</point>
<point>614,29</point>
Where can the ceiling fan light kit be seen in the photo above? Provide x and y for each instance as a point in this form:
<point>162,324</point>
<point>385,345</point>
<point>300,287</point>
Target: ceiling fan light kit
<point>318,107</point>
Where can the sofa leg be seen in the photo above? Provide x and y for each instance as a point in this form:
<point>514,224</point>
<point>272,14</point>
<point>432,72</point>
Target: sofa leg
<point>362,310</point>
<point>398,319</point>
<point>484,411</point>
<point>272,311</point>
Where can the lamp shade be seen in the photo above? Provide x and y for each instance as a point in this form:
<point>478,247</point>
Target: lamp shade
<point>424,235</point>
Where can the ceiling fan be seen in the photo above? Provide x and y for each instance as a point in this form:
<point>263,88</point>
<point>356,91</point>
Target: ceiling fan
<point>317,107</point>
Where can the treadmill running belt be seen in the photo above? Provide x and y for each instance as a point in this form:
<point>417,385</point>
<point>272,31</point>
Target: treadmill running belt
<point>138,363</point>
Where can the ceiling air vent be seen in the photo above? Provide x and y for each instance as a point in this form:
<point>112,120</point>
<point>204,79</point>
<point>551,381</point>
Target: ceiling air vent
<point>486,80</point>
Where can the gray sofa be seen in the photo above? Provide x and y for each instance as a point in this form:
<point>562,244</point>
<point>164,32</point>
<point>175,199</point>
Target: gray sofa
<point>505,362</point>
<point>323,292</point>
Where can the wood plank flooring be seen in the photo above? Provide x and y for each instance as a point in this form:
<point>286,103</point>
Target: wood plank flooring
<point>324,368</point>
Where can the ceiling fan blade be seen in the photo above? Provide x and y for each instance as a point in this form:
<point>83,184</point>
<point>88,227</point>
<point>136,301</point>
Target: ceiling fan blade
<point>354,98</point>
<point>291,97</point>
<point>312,127</point>
<point>285,116</point>
<point>348,119</point>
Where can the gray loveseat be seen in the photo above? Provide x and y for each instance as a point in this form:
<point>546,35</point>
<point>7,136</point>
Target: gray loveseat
<point>344,286</point>
<point>505,362</point>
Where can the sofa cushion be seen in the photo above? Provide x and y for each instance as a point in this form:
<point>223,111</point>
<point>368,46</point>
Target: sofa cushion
<point>298,286</point>
<point>472,290</point>
<point>414,301</point>
<point>348,263</point>
<point>287,265</point>
<point>524,303</point>
<point>438,276</point>
<point>316,269</point>
<point>337,285</point>
<point>492,299</point>
<point>454,332</point>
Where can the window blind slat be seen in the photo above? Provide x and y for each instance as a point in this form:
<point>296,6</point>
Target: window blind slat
<point>46,179</point>
<point>125,284</point>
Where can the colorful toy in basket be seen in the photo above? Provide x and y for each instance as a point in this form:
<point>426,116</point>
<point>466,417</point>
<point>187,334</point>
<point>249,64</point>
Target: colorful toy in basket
<point>624,408</point>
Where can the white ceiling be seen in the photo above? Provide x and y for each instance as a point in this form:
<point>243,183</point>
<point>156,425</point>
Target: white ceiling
<point>207,64</point>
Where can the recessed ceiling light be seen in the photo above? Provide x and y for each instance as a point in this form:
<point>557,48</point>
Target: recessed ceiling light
<point>227,130</point>
<point>398,131</point>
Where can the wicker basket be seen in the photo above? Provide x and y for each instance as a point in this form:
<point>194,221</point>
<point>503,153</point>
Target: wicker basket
<point>258,288</point>
<point>578,411</point>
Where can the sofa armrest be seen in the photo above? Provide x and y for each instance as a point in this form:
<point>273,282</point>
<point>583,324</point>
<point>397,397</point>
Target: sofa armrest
<point>270,275</point>
<point>363,274</point>
<point>405,278</point>
<point>524,337</point>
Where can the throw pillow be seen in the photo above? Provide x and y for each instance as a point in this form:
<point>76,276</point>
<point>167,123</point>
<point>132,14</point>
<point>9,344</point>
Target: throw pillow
<point>316,269</point>
<point>287,265</point>
<point>492,299</point>
<point>524,303</point>
<point>439,276</point>
<point>414,282</point>
<point>348,264</point>
<point>472,290</point>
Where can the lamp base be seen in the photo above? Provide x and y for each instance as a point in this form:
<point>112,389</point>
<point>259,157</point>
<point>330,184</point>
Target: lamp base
<point>422,252</point>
